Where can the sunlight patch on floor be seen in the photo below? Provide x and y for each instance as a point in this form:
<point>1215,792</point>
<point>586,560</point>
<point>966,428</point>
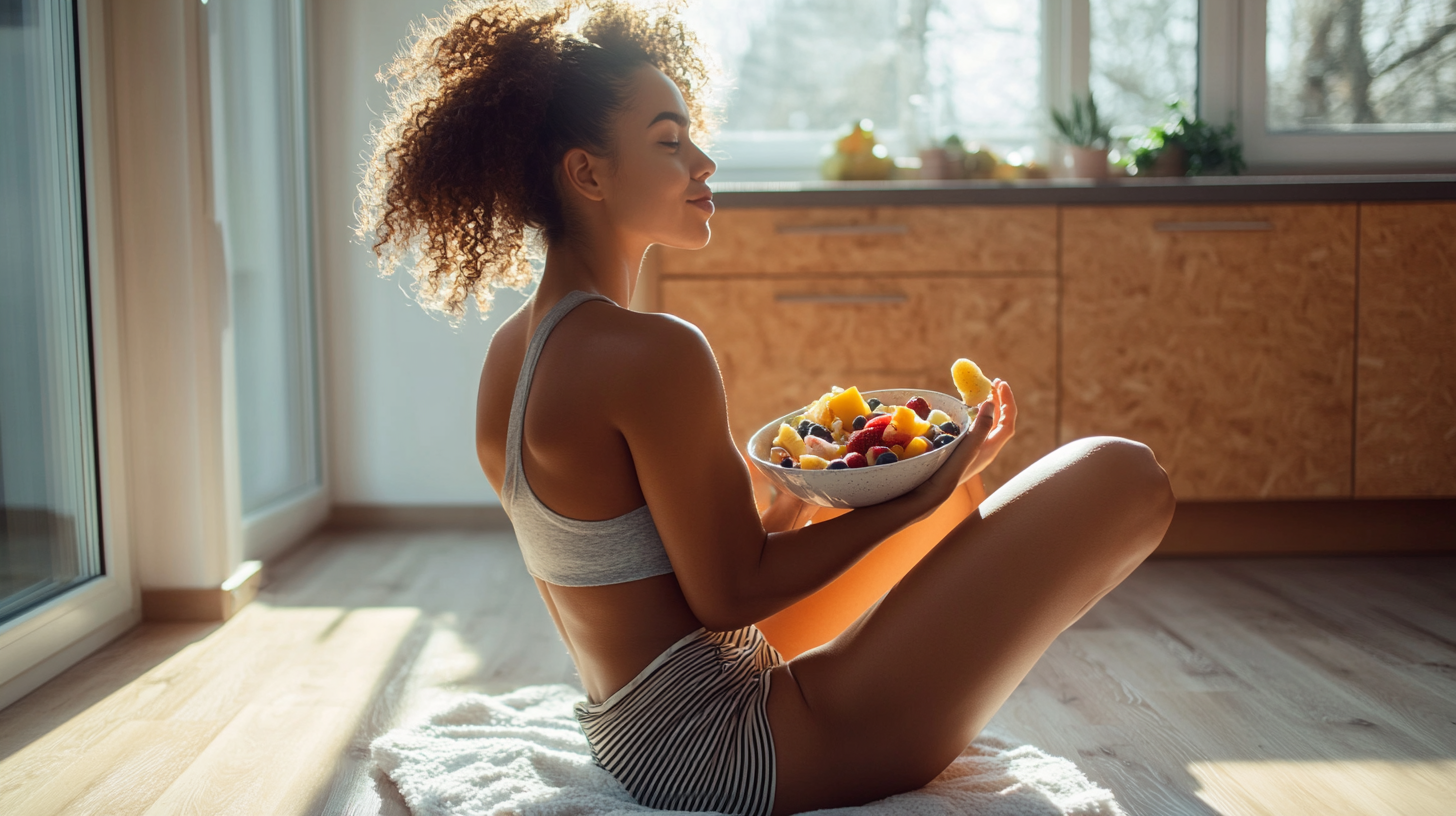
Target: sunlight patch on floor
<point>1332,788</point>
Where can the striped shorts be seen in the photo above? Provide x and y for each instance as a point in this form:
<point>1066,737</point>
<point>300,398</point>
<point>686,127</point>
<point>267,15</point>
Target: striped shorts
<point>690,731</point>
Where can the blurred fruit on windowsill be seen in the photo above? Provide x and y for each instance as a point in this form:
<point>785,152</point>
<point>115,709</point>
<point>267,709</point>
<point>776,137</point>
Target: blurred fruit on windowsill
<point>857,156</point>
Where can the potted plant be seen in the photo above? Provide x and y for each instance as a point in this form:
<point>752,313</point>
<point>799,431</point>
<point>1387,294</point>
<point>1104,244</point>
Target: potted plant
<point>1188,147</point>
<point>1087,137</point>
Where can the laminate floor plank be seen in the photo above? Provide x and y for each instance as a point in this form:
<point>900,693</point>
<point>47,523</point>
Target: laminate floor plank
<point>1200,687</point>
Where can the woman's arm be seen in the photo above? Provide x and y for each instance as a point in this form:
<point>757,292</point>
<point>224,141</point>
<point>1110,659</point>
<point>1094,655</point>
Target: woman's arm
<point>734,566</point>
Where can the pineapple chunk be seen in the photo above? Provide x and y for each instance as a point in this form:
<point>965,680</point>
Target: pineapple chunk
<point>811,462</point>
<point>819,412</point>
<point>789,440</point>
<point>848,404</point>
<point>969,380</point>
<point>938,417</point>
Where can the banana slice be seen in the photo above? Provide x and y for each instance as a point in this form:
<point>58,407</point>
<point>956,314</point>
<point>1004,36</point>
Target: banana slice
<point>969,380</point>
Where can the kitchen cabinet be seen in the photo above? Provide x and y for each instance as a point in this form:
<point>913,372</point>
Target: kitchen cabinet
<point>1405,420</point>
<point>782,341</point>
<point>1223,337</point>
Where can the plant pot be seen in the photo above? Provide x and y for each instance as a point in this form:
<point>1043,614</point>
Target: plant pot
<point>1171,161</point>
<point>1088,162</point>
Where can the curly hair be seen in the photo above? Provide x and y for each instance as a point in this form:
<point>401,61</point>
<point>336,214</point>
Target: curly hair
<point>483,104</point>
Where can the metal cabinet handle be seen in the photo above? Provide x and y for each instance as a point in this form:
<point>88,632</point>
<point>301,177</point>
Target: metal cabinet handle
<point>1212,226</point>
<point>815,297</point>
<point>841,229</point>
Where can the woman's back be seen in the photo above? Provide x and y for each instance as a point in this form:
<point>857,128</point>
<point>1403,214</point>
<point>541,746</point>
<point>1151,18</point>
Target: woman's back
<point>576,463</point>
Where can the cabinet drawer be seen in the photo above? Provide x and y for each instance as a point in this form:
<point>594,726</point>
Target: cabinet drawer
<point>780,343</point>
<point>1223,337</point>
<point>1405,430</point>
<point>857,240</point>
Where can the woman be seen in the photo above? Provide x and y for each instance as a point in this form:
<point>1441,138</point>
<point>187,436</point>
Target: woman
<point>605,433</point>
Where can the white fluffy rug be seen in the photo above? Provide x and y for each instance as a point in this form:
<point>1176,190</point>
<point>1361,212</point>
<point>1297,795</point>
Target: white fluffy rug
<point>523,754</point>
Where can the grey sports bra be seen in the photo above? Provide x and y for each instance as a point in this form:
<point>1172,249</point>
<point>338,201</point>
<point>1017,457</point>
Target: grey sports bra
<point>568,551</point>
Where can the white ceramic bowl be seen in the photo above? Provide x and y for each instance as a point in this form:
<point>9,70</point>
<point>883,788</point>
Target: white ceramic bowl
<point>860,487</point>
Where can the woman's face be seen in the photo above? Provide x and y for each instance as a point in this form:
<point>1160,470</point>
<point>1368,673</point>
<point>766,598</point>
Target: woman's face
<point>657,188</point>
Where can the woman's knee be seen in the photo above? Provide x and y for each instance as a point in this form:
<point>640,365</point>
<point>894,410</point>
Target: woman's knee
<point>1133,480</point>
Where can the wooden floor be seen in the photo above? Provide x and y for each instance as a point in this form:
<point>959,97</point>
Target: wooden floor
<point>1290,686</point>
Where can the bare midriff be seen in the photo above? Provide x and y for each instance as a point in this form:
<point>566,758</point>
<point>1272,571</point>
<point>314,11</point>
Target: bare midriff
<point>614,631</point>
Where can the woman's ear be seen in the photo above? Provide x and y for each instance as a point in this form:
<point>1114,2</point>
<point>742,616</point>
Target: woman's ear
<point>581,171</point>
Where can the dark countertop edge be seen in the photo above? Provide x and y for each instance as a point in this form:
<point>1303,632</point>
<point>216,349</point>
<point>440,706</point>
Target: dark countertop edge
<point>1204,190</point>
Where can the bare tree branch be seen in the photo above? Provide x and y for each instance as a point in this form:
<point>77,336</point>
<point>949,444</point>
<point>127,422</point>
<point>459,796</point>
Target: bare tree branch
<point>1426,45</point>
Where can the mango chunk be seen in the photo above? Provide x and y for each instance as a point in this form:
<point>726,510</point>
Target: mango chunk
<point>848,404</point>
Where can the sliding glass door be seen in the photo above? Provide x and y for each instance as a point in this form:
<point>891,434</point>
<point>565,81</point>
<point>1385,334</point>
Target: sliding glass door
<point>50,539</point>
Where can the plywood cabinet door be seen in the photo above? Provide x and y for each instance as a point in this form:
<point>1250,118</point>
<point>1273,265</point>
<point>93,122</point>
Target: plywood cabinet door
<point>1223,337</point>
<point>782,342</point>
<point>1405,429</point>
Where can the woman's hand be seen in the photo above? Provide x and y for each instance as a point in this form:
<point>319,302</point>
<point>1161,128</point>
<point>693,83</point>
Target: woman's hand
<point>994,425</point>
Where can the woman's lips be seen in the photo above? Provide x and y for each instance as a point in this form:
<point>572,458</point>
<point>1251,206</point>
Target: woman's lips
<point>705,204</point>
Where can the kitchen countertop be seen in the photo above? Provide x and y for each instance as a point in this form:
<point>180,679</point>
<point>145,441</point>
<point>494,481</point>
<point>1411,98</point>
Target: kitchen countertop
<point>1249,189</point>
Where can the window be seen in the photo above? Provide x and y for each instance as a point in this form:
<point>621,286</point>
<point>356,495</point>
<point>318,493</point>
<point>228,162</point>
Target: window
<point>261,199</point>
<point>1144,54</point>
<point>799,71</point>
<point>50,537</point>
<point>1335,65</point>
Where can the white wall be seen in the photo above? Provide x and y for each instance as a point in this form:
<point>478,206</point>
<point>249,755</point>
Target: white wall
<point>401,383</point>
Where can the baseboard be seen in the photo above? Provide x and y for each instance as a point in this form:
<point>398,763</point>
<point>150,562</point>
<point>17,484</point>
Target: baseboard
<point>419,517</point>
<point>204,604</point>
<point>1315,527</point>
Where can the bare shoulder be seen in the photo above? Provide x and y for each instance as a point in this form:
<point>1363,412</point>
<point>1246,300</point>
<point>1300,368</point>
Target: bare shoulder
<point>625,344</point>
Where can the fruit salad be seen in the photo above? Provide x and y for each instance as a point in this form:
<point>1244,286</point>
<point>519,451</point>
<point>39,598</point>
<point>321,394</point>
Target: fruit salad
<point>842,430</point>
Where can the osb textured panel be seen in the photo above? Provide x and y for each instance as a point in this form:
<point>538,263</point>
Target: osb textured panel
<point>779,355</point>
<point>1405,431</point>
<point>809,240</point>
<point>1228,352</point>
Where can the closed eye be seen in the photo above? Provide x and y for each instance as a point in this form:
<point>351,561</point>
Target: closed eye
<point>673,145</point>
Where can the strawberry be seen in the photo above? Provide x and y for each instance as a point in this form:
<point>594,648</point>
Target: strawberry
<point>861,441</point>
<point>856,460</point>
<point>876,452</point>
<point>919,406</point>
<point>879,421</point>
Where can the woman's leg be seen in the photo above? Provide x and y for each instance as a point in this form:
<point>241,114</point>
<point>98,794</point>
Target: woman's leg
<point>820,617</point>
<point>889,703</point>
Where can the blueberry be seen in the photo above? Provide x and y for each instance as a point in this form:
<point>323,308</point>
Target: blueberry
<point>950,428</point>
<point>803,428</point>
<point>820,431</point>
<point>786,462</point>
<point>887,458</point>
<point>943,440</point>
<point>838,464</point>
<point>874,403</point>
<point>859,422</point>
